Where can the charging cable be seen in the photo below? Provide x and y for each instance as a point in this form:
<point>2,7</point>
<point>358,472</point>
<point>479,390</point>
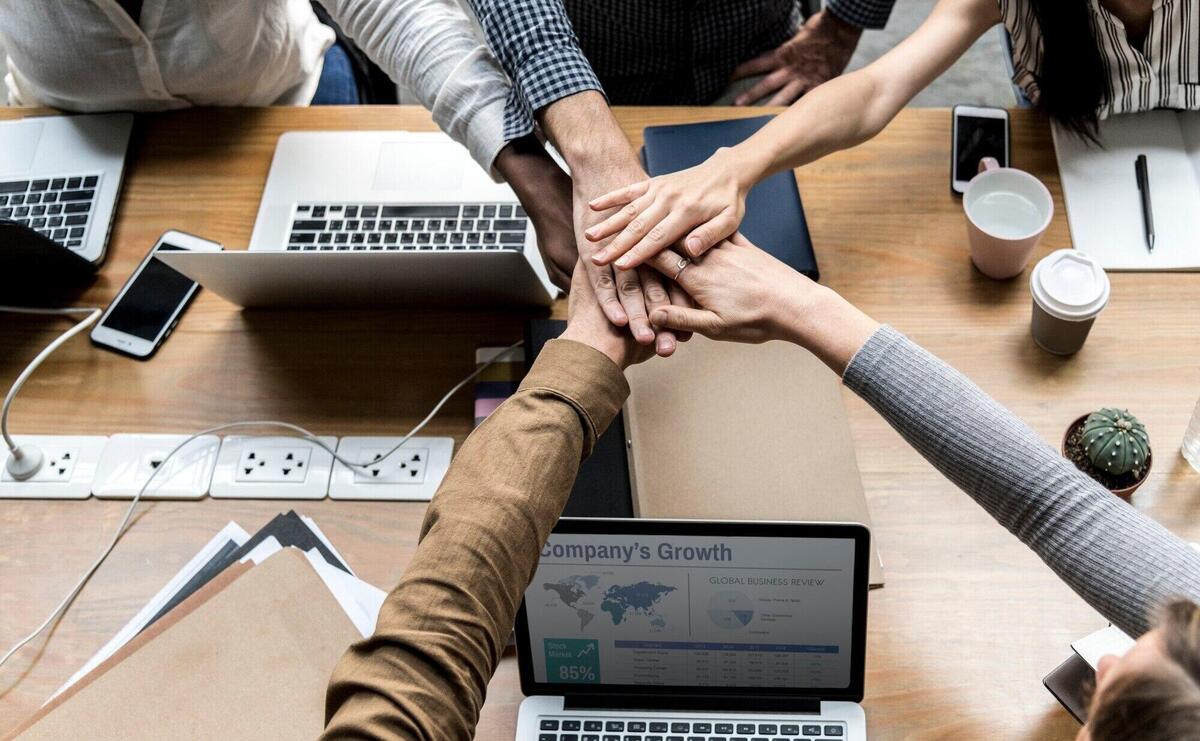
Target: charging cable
<point>299,432</point>
<point>24,462</point>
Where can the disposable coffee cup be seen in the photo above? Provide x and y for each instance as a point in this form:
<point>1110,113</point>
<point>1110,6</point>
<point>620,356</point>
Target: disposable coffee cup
<point>1008,211</point>
<point>1069,291</point>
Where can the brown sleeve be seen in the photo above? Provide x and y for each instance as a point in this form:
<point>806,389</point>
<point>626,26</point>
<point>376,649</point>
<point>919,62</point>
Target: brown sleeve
<point>440,633</point>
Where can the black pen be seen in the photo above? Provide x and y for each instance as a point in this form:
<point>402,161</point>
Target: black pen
<point>1143,181</point>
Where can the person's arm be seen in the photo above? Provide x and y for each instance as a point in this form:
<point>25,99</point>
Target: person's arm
<point>431,49</point>
<point>441,631</point>
<point>1120,561</point>
<point>704,204</point>
<point>553,83</point>
<point>818,52</point>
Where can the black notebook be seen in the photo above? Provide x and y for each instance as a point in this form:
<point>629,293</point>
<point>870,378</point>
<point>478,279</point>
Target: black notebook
<point>774,217</point>
<point>602,486</point>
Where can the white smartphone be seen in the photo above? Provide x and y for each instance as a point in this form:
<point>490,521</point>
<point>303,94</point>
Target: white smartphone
<point>148,306</point>
<point>977,133</point>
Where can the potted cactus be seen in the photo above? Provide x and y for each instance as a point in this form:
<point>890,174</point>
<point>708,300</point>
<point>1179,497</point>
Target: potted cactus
<point>1112,447</point>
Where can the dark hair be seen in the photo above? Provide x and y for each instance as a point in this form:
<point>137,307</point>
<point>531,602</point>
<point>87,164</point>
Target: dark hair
<point>1162,704</point>
<point>1071,81</point>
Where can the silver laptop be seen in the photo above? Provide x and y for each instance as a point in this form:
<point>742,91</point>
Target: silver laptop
<point>654,630</point>
<point>60,176</point>
<point>379,218</point>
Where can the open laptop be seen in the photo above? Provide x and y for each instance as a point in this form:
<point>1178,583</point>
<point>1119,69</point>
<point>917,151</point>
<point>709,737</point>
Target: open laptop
<point>657,630</point>
<point>379,218</point>
<point>60,176</point>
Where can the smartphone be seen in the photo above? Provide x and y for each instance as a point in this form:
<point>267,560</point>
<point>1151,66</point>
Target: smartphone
<point>148,306</point>
<point>977,133</point>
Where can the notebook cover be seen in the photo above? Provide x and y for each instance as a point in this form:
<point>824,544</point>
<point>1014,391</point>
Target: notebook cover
<point>602,487</point>
<point>252,661</point>
<point>774,217</point>
<point>743,432</point>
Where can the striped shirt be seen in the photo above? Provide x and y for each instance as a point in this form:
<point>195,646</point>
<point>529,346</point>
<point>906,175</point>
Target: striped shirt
<point>1163,73</point>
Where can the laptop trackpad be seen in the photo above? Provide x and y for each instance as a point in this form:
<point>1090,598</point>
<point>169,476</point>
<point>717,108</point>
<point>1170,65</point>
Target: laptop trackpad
<point>423,168</point>
<point>18,144</point>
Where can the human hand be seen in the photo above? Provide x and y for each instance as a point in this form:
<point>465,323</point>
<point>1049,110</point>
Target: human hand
<point>545,194</point>
<point>706,203</point>
<point>819,52</point>
<point>587,324</point>
<point>626,296</point>
<point>742,294</point>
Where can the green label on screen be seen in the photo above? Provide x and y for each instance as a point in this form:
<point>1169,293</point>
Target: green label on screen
<point>572,660</point>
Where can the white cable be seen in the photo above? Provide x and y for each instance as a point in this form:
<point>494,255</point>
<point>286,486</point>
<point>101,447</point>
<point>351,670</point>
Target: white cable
<point>303,433</point>
<point>92,315</point>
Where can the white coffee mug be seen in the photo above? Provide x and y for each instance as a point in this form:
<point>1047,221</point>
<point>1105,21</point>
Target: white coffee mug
<point>1007,211</point>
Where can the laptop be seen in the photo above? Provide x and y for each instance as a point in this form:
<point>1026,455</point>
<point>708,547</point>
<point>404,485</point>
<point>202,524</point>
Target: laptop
<point>379,218</point>
<point>60,176</point>
<point>677,630</point>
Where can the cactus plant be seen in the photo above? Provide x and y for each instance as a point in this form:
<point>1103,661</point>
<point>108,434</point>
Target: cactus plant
<point>1116,442</point>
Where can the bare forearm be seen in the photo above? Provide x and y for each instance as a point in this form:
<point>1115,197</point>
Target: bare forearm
<point>582,127</point>
<point>853,108</point>
<point>840,114</point>
<point>822,322</point>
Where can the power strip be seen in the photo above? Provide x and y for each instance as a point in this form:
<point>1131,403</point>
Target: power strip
<point>233,467</point>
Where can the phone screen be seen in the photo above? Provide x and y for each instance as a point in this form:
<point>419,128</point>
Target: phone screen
<point>977,138</point>
<point>151,300</point>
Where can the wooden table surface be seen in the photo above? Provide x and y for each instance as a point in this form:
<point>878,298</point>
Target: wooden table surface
<point>969,621</point>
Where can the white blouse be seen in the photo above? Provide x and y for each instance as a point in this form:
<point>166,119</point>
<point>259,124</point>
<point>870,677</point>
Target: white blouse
<point>1164,73</point>
<point>89,55</point>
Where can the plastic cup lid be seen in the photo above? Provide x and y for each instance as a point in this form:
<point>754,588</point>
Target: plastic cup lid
<point>1070,285</point>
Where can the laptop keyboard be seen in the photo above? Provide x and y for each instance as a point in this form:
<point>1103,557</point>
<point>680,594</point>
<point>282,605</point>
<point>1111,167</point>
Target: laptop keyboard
<point>375,226</point>
<point>595,729</point>
<point>57,208</point>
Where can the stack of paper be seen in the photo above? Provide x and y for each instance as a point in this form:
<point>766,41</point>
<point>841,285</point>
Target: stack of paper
<point>239,644</point>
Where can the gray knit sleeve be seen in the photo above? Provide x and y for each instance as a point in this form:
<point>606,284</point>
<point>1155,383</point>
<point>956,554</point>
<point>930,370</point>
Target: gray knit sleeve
<point>1120,561</point>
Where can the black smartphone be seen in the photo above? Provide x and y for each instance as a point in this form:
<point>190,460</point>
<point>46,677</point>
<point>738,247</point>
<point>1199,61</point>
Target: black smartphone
<point>977,133</point>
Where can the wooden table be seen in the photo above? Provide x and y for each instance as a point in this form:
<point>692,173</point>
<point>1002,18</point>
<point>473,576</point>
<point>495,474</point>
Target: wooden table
<point>969,622</point>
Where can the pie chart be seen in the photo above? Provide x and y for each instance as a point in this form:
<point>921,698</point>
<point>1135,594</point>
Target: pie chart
<point>730,610</point>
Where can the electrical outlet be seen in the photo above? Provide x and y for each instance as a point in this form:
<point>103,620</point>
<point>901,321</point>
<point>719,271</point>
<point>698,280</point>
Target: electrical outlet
<point>272,468</point>
<point>130,460</point>
<point>412,473</point>
<point>405,466</point>
<point>68,467</point>
<point>274,464</point>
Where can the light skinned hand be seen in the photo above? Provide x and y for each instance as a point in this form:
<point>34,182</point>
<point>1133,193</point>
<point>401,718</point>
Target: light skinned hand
<point>819,52</point>
<point>742,294</point>
<point>587,324</point>
<point>700,206</point>
<point>626,296</point>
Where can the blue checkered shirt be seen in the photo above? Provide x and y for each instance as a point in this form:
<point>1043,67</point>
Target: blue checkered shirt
<point>660,52</point>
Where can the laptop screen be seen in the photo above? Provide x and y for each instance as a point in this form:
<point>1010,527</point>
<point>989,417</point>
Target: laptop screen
<point>715,607</point>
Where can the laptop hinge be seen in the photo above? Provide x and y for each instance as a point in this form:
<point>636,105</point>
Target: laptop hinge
<point>725,703</point>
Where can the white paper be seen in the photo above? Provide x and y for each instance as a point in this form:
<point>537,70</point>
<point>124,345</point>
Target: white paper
<point>261,552</point>
<point>232,531</point>
<point>1102,197</point>
<point>1110,640</point>
<point>312,525</point>
<point>360,600</point>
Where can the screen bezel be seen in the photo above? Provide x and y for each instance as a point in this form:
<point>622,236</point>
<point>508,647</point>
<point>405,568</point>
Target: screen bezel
<point>957,185</point>
<point>140,347</point>
<point>730,698</point>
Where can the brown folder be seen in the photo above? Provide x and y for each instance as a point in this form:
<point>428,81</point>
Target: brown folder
<point>246,658</point>
<point>743,432</point>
